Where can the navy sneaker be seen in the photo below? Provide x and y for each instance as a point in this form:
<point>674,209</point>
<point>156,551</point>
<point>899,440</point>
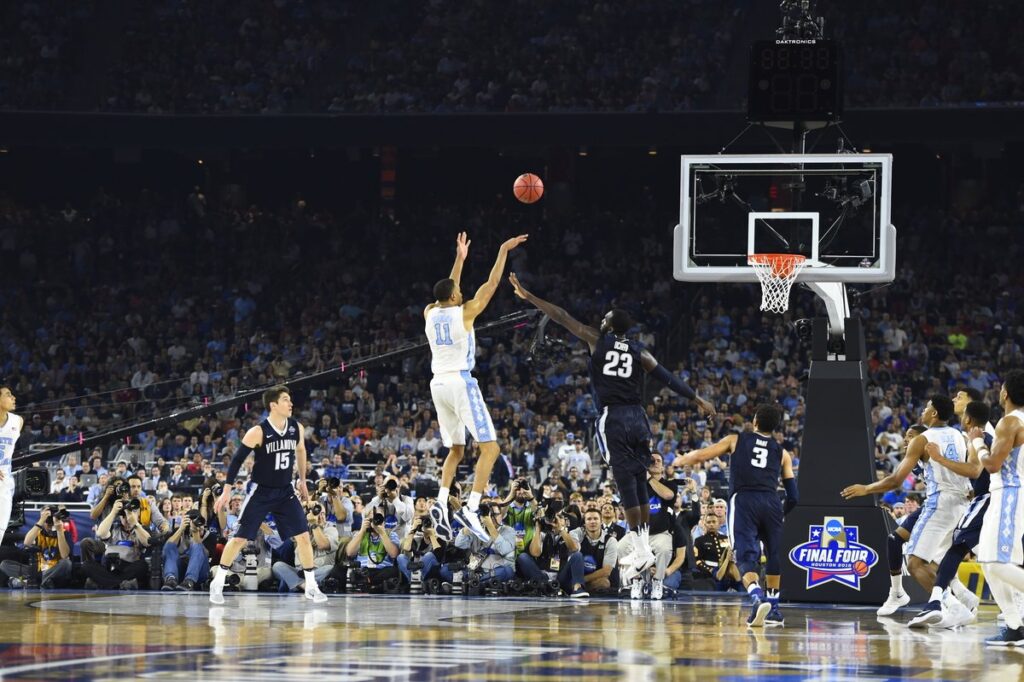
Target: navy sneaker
<point>441,525</point>
<point>931,614</point>
<point>758,612</point>
<point>774,618</point>
<point>1007,637</point>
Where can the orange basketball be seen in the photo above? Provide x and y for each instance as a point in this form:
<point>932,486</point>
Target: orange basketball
<point>528,188</point>
<point>860,568</point>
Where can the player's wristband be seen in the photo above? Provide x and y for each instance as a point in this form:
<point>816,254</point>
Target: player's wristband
<point>979,444</point>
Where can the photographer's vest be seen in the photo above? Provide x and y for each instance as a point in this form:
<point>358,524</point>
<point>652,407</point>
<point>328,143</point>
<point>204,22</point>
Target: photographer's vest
<point>374,551</point>
<point>145,514</point>
<point>521,521</point>
<point>593,551</point>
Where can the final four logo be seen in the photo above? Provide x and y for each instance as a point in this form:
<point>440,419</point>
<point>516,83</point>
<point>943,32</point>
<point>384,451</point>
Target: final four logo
<point>833,553</point>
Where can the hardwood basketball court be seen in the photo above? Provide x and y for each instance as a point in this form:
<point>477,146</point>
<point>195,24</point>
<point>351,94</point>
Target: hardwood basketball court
<point>92,636</point>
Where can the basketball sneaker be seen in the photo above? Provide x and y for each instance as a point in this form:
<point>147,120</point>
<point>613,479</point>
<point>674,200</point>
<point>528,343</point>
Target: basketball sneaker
<point>758,612</point>
<point>657,589</point>
<point>217,591</point>
<point>931,614</point>
<point>636,588</point>
<point>955,614</point>
<point>893,603</point>
<point>439,517</point>
<point>313,592</point>
<point>643,557</point>
<point>471,520</point>
<point>774,618</point>
<point>1007,637</point>
<point>965,597</point>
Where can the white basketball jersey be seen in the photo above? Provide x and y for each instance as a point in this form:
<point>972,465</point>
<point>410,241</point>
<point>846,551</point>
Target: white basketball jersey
<point>453,349</point>
<point>9,433</point>
<point>1010,471</point>
<point>953,447</point>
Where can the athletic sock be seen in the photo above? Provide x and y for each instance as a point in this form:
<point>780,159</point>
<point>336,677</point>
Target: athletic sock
<point>958,588</point>
<point>221,575</point>
<point>754,590</point>
<point>897,583</point>
<point>936,594</point>
<point>310,577</point>
<point>442,498</point>
<point>773,597</point>
<point>474,501</point>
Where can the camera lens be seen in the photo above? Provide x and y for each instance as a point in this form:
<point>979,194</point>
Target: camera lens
<point>333,482</point>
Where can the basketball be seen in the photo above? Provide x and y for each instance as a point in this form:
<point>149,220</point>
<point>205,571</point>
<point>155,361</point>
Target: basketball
<point>528,188</point>
<point>860,568</point>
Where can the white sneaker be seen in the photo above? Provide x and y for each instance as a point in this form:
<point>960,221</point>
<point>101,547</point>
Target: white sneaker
<point>636,589</point>
<point>657,589</point>
<point>643,558</point>
<point>893,603</point>
<point>471,520</point>
<point>955,615</point>
<point>313,592</point>
<point>968,599</point>
<point>216,593</point>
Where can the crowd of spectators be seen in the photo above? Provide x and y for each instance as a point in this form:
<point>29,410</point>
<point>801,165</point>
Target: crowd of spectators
<point>287,56</point>
<point>148,336</point>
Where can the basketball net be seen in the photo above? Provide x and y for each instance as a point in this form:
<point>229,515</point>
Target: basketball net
<point>776,272</point>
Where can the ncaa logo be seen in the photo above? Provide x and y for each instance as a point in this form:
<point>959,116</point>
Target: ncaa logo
<point>833,554</point>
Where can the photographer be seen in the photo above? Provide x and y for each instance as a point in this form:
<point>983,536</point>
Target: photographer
<point>130,489</point>
<point>391,504</point>
<point>417,544</point>
<point>267,541</point>
<point>324,538</point>
<point>375,547</point>
<point>124,539</point>
<point>600,552</point>
<point>186,543</point>
<point>495,558</point>
<point>553,552</point>
<point>52,542</point>
<point>519,515</point>
<point>339,504</point>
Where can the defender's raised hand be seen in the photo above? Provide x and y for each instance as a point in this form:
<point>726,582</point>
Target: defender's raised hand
<point>510,244</point>
<point>462,243</point>
<point>521,292</point>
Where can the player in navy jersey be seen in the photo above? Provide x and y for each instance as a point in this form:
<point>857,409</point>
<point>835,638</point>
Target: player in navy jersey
<point>277,444</point>
<point>941,608</point>
<point>624,433</point>
<point>755,511</point>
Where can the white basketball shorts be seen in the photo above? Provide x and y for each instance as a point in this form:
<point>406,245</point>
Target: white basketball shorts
<point>460,406</point>
<point>1001,530</point>
<point>933,534</point>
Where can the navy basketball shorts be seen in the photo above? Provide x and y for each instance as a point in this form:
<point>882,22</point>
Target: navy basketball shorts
<point>910,521</point>
<point>755,517</point>
<point>624,436</point>
<point>968,531</point>
<point>282,503</point>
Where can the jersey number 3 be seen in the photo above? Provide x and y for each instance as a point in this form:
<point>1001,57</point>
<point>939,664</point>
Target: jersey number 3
<point>284,461</point>
<point>618,364</point>
<point>760,459</point>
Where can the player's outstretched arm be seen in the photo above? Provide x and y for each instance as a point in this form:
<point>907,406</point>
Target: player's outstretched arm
<point>971,468</point>
<point>584,333</point>
<point>473,308</point>
<point>723,447</point>
<point>1002,444</point>
<point>676,384</point>
<point>253,438</point>
<point>896,478</point>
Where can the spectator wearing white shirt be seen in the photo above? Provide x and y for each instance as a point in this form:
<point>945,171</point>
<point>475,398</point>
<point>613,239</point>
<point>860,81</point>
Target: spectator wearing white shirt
<point>429,443</point>
<point>59,483</point>
<point>575,457</point>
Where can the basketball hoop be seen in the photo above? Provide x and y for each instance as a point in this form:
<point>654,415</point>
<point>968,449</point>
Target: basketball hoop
<point>777,272</point>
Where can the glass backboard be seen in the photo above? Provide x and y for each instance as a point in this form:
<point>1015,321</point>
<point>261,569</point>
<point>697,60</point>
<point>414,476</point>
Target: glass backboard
<point>834,209</point>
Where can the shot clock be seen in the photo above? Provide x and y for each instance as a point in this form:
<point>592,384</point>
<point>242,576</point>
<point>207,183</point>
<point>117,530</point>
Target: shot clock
<point>795,80</point>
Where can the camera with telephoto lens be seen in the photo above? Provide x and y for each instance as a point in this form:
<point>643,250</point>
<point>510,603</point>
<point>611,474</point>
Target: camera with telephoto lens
<point>522,484</point>
<point>377,519</point>
<point>121,489</point>
<point>549,513</point>
<point>426,522</point>
<point>217,489</point>
<point>316,509</point>
<point>390,485</point>
<point>195,517</point>
<point>333,482</point>
<point>57,514</point>
<point>131,506</point>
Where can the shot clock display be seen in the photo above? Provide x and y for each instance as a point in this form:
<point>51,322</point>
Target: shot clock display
<point>796,80</point>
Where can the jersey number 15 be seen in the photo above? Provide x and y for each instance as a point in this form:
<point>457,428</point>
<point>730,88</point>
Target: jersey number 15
<point>284,461</point>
